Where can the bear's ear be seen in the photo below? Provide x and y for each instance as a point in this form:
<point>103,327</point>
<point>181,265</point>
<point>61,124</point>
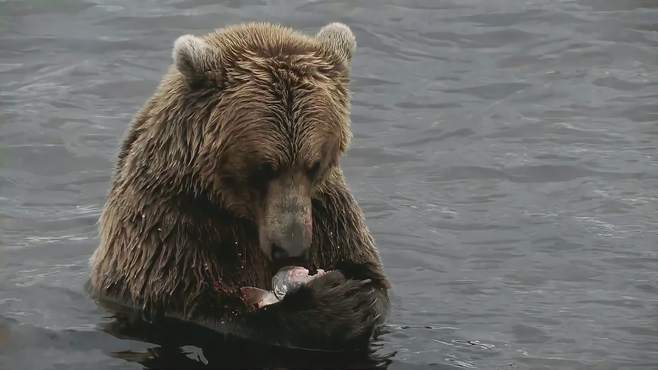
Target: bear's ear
<point>338,38</point>
<point>194,58</point>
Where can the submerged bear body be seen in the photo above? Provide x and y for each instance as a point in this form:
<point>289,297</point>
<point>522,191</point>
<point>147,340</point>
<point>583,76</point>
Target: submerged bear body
<point>231,171</point>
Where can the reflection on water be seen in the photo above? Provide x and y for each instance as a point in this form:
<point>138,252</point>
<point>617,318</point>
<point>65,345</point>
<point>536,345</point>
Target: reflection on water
<point>182,346</point>
<point>505,154</point>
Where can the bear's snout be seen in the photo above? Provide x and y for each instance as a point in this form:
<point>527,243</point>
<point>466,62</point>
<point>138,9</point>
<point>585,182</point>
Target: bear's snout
<point>285,228</point>
<point>289,239</point>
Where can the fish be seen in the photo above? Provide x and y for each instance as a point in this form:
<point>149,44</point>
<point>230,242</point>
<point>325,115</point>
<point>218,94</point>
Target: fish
<point>286,280</point>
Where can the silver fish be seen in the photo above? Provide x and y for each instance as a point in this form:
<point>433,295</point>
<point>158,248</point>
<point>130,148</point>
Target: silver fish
<point>286,280</point>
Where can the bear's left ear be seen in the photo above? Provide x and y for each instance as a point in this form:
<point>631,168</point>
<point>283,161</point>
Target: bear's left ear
<point>194,58</point>
<point>340,40</point>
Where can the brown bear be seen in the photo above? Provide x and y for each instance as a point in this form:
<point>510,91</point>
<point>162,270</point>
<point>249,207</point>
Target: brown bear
<point>231,171</point>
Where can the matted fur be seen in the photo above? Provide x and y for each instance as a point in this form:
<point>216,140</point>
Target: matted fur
<point>179,231</point>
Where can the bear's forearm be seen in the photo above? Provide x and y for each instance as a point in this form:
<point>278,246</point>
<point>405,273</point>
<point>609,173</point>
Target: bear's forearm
<point>341,235</point>
<point>333,314</point>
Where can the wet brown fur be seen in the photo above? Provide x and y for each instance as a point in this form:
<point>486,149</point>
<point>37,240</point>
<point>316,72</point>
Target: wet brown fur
<point>178,232</point>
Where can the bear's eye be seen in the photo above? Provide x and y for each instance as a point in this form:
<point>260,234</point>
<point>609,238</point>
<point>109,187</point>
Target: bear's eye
<point>229,181</point>
<point>314,170</point>
<point>263,172</point>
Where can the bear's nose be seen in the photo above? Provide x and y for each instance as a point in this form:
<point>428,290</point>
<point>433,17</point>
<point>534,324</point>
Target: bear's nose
<point>279,253</point>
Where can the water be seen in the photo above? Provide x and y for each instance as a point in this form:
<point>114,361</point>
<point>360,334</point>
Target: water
<point>504,153</point>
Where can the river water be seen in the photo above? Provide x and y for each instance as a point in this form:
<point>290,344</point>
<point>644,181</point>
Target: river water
<point>505,154</point>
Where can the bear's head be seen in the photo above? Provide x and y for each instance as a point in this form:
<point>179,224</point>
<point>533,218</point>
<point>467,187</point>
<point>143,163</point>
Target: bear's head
<point>267,116</point>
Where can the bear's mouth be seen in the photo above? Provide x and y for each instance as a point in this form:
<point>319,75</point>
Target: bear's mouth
<point>291,261</point>
<point>302,261</point>
<point>281,258</point>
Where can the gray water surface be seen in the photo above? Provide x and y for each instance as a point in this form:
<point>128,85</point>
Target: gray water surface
<point>505,154</point>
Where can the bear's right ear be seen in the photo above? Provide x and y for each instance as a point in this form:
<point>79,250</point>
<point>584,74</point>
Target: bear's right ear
<point>194,58</point>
